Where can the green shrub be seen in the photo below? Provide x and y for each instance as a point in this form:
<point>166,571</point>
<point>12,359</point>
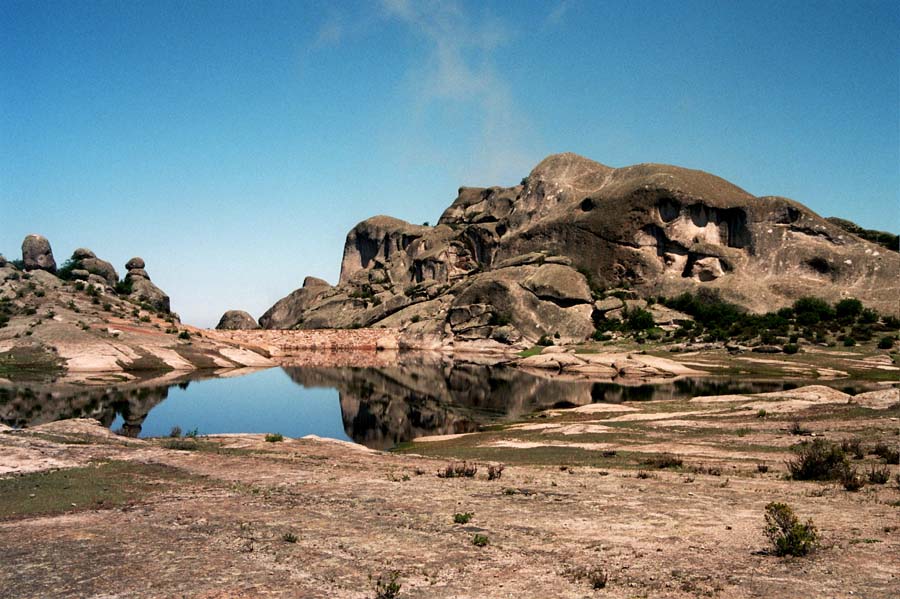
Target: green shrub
<point>848,308</point>
<point>811,310</point>
<point>664,460</point>
<point>851,479</point>
<point>462,518</point>
<point>787,535</point>
<point>289,537</point>
<point>886,342</point>
<point>458,470</point>
<point>184,335</point>
<point>387,587</point>
<point>499,319</point>
<point>599,335</point>
<point>479,540</point>
<point>868,316</point>
<point>64,272</point>
<point>791,348</point>
<point>849,341</point>
<point>545,341</point>
<point>124,287</point>
<point>596,576</point>
<point>819,460</point>
<point>639,320</point>
<point>878,476</point>
<point>891,455</point>
<point>853,446</point>
<point>175,433</point>
<point>181,444</point>
<point>274,438</point>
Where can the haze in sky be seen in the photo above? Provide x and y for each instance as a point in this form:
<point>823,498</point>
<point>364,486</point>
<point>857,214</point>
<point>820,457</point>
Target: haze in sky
<point>233,145</point>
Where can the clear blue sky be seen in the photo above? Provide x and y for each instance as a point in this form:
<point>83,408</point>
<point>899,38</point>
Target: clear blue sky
<point>234,144</point>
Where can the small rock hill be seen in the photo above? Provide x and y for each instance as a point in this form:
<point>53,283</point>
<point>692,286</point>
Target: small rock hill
<point>516,263</point>
<point>66,322</point>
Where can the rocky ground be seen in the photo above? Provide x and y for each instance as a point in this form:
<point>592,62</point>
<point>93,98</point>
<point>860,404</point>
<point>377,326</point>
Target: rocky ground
<point>584,497</point>
<point>77,329</point>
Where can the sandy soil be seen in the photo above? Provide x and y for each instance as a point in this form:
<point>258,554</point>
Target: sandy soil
<point>357,514</point>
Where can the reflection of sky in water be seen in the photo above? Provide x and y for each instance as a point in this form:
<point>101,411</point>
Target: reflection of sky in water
<point>262,402</point>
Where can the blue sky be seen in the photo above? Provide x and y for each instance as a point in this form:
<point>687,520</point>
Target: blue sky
<point>234,144</point>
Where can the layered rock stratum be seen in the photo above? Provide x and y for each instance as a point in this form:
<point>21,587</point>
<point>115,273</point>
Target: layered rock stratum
<point>517,263</point>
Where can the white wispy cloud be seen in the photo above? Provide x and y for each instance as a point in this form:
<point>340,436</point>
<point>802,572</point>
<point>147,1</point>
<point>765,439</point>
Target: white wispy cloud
<point>458,69</point>
<point>331,32</point>
<point>558,13</point>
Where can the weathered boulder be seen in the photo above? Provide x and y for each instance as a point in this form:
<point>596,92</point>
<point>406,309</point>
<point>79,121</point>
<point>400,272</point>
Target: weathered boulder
<point>135,263</point>
<point>236,320</point>
<point>146,292</point>
<point>558,284</point>
<point>83,254</point>
<point>137,273</point>
<point>79,274</point>
<point>37,255</point>
<point>289,311</point>
<point>495,298</point>
<point>84,259</point>
<point>99,282</point>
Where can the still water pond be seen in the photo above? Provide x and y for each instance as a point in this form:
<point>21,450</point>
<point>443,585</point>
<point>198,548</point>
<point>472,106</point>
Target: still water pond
<point>377,407</point>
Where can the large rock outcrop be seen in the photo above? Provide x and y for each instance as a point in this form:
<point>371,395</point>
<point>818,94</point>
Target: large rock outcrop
<point>37,254</point>
<point>521,262</point>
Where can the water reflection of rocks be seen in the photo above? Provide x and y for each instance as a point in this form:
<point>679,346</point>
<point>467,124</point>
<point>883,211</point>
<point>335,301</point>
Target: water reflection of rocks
<point>380,407</point>
<point>26,406</point>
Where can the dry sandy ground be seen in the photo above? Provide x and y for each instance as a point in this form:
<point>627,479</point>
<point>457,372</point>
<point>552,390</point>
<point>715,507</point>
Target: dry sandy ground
<point>219,531</point>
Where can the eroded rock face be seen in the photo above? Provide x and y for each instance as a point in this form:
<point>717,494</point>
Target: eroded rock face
<point>37,255</point>
<point>236,320</point>
<point>516,263</point>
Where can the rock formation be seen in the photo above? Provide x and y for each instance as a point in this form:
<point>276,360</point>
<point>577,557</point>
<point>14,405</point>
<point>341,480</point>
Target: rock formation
<point>54,327</point>
<point>288,312</point>
<point>84,259</point>
<point>142,289</point>
<point>236,320</point>
<point>529,260</point>
<point>37,255</point>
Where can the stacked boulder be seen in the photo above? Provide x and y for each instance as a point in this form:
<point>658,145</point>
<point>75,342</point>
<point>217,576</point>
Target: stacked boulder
<point>37,255</point>
<point>142,289</point>
<point>88,267</point>
<point>95,266</point>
